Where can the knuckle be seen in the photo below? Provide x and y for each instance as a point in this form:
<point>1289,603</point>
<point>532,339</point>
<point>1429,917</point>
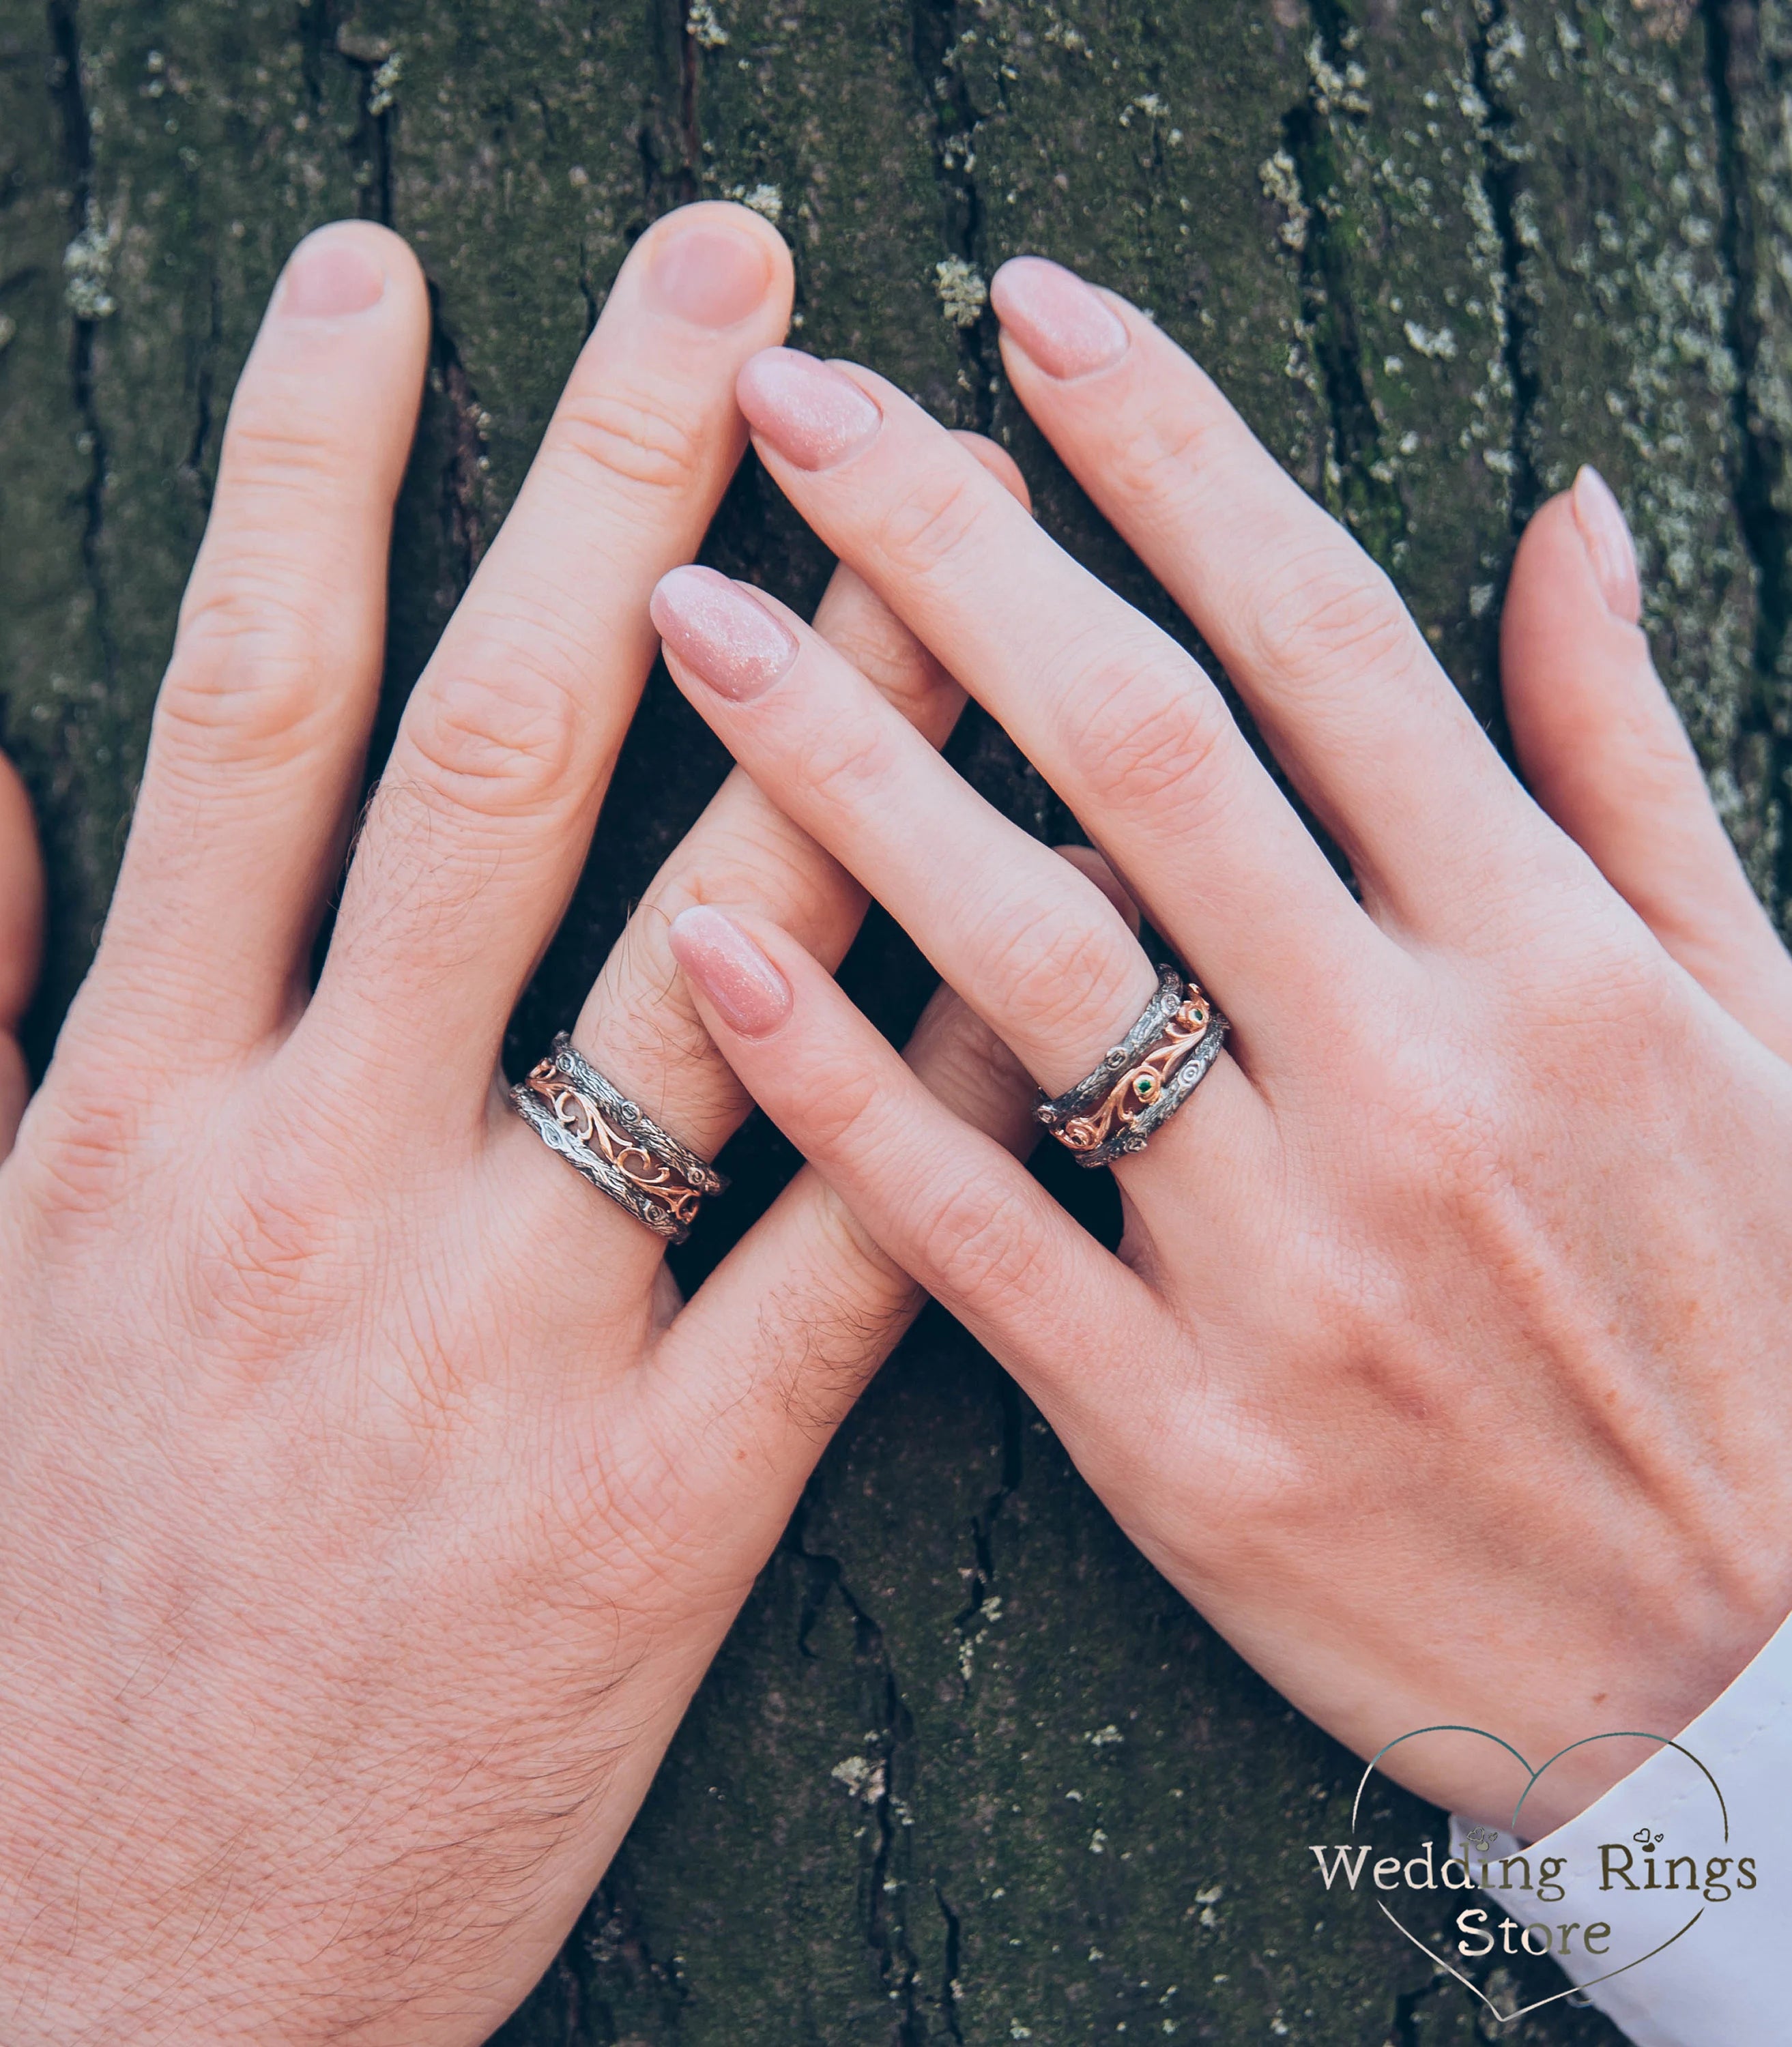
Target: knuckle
<point>979,1245</point>
<point>1329,610</point>
<point>1663,768</point>
<point>276,439</point>
<point>79,1149</point>
<point>1142,731</point>
<point>848,760</point>
<point>1436,1119</point>
<point>972,1072</point>
<point>761,863</point>
<point>824,1332</point>
<point>244,678</point>
<point>842,1098</point>
<point>633,437</point>
<point>501,740</point>
<point>1059,973</point>
<point>884,651</point>
<point>254,1268</point>
<point>1157,456</point>
<point>647,1023</point>
<point>932,523</point>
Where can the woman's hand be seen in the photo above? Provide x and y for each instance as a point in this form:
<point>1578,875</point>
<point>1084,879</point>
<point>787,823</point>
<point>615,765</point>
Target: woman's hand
<point>1444,1363</point>
<point>369,1506</point>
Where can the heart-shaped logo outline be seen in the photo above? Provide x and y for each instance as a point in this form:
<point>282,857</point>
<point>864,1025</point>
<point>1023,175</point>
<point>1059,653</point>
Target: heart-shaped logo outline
<point>1617,1734</point>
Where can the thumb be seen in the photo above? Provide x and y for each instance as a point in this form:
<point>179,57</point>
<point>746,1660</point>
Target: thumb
<point>1606,755</point>
<point>21,937</point>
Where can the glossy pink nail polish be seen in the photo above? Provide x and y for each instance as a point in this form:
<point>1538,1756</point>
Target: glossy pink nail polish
<point>1068,330</point>
<point>329,277</point>
<point>720,633</point>
<point>1606,537</point>
<point>813,414</point>
<point>707,273</point>
<point>746,990</point>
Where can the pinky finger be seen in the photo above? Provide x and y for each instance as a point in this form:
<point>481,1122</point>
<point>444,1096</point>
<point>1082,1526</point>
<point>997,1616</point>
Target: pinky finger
<point>1605,752</point>
<point>21,939</point>
<point>944,1201</point>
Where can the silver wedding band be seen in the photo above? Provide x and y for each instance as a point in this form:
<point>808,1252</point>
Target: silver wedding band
<point>1143,1080</point>
<point>610,1141</point>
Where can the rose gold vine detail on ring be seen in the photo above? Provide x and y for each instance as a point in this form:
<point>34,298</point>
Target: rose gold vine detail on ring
<point>580,1117</point>
<point>1140,1085</point>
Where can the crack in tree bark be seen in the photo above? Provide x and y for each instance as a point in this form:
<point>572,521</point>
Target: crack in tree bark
<point>949,1974</point>
<point>70,94</point>
<point>192,466</point>
<point>885,1924</point>
<point>982,1525</point>
<point>1760,473</point>
<point>690,67</point>
<point>1371,507</point>
<point>371,150</point>
<point>463,474</point>
<point>668,183</point>
<point>1500,177</point>
<point>321,34</point>
<point>1409,2006</point>
<point>934,43</point>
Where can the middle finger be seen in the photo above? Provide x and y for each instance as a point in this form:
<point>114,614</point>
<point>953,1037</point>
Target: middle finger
<point>1121,721</point>
<point>482,822</point>
<point>1030,943</point>
<point>1336,673</point>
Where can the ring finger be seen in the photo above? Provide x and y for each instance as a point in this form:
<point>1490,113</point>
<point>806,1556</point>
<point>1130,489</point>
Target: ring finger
<point>639,1026</point>
<point>1035,948</point>
<point>1315,635</point>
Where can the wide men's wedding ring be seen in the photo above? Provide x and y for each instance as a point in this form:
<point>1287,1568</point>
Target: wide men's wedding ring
<point>1143,1080</point>
<point>609,1141</point>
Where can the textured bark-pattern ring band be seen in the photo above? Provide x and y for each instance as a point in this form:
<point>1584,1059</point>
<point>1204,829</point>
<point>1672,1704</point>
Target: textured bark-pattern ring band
<point>608,1140</point>
<point>1145,1078</point>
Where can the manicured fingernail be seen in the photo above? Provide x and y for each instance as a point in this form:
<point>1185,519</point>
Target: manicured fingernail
<point>1067,328</point>
<point>813,414</point>
<point>707,272</point>
<point>329,276</point>
<point>1606,538</point>
<point>719,633</point>
<point>750,994</point>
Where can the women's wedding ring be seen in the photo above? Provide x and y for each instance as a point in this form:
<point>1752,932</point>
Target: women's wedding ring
<point>1144,1079</point>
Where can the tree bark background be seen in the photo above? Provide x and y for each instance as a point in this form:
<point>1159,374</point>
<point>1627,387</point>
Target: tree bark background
<point>966,1770</point>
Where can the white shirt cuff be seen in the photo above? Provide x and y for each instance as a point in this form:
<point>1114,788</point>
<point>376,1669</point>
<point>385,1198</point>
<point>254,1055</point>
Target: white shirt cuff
<point>1721,1978</point>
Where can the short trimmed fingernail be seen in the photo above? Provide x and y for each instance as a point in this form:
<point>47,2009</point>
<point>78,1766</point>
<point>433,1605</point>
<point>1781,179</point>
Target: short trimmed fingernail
<point>328,277</point>
<point>706,272</point>
<point>1606,538</point>
<point>813,414</point>
<point>720,633</point>
<point>741,983</point>
<point>1067,328</point>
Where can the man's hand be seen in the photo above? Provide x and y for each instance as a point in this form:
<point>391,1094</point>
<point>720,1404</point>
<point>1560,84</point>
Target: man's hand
<point>21,937</point>
<point>369,1506</point>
